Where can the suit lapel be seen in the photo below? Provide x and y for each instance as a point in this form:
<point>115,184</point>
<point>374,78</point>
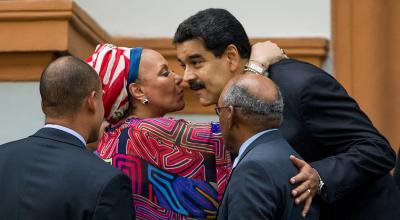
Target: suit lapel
<point>267,137</point>
<point>58,135</point>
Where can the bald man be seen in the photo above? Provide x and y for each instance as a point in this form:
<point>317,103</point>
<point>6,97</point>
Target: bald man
<point>250,110</point>
<point>51,175</point>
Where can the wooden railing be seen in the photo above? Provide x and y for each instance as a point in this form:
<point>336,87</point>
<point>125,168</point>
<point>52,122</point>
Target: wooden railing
<point>33,33</point>
<point>313,50</point>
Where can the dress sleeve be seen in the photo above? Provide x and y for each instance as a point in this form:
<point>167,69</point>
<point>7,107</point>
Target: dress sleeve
<point>222,159</point>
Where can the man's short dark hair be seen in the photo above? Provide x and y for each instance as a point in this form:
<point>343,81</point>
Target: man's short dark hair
<point>64,84</point>
<point>217,28</point>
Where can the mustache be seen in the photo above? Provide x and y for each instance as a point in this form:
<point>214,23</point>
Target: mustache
<point>196,85</point>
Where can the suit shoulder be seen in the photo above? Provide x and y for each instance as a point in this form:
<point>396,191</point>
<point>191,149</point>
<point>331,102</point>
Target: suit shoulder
<point>82,165</point>
<point>275,150</point>
<point>296,74</point>
<point>97,165</point>
<point>93,173</point>
<point>16,146</point>
<point>273,156</point>
<point>19,142</point>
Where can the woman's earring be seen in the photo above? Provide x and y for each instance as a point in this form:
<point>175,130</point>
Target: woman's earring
<point>145,101</point>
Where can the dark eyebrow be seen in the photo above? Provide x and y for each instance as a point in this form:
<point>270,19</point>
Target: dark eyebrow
<point>195,56</point>
<point>191,57</point>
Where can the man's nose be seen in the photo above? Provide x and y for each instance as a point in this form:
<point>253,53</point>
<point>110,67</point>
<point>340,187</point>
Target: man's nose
<point>188,75</point>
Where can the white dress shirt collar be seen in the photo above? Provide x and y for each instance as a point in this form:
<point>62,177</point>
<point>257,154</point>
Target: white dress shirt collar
<point>68,130</point>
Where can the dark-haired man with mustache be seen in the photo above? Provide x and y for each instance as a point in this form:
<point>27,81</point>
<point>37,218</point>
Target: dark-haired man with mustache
<point>349,160</point>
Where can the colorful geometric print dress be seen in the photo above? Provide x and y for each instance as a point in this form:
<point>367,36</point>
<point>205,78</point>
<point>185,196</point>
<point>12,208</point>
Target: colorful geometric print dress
<point>179,170</point>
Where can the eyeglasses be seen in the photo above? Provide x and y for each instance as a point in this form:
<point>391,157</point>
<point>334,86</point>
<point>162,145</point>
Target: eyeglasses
<point>218,109</point>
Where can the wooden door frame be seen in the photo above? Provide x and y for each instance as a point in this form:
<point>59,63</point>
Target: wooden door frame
<point>366,58</point>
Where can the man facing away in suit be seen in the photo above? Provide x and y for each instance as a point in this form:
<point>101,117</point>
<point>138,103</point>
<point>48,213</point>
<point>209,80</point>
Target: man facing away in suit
<point>250,110</point>
<point>51,175</point>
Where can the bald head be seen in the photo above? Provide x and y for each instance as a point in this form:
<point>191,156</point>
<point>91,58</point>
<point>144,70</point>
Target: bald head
<point>258,99</point>
<point>259,86</point>
<point>64,84</point>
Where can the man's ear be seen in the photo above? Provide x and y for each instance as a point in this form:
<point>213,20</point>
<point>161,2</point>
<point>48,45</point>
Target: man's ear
<point>91,101</point>
<point>232,55</point>
<point>41,105</point>
<point>230,116</point>
<point>136,91</point>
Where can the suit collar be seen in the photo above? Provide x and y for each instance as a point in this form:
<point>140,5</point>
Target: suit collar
<point>59,135</point>
<point>266,137</point>
<point>68,130</point>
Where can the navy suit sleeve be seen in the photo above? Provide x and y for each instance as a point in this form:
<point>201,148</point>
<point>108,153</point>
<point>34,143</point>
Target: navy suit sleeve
<point>252,193</point>
<point>115,201</point>
<point>336,123</point>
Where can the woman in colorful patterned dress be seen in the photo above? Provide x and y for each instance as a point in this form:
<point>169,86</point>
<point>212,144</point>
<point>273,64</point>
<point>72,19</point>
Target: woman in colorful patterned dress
<point>178,169</point>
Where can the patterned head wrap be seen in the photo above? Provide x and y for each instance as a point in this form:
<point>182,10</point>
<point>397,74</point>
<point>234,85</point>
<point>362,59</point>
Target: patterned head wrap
<point>117,68</point>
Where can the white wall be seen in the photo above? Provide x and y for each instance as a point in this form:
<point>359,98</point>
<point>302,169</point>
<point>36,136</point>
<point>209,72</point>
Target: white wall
<point>20,113</point>
<point>261,18</point>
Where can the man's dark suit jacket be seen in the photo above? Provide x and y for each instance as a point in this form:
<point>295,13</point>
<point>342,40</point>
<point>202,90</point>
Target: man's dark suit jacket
<point>396,174</point>
<point>259,186</point>
<point>51,176</point>
<point>327,128</point>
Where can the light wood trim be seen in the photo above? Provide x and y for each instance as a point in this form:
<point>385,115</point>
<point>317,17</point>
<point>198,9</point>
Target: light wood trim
<point>366,51</point>
<point>69,30</point>
<point>392,123</point>
<point>317,47</point>
<point>313,50</point>
<point>26,6</point>
<point>341,42</point>
<point>44,27</point>
<point>48,20</point>
<point>22,66</point>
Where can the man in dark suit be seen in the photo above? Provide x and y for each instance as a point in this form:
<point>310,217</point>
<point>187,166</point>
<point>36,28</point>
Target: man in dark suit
<point>250,110</point>
<point>51,175</point>
<point>349,160</point>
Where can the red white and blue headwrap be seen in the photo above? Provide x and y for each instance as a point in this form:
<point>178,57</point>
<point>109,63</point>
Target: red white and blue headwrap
<point>117,68</point>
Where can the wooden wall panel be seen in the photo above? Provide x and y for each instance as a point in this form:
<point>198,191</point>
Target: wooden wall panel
<point>366,54</point>
<point>21,66</point>
<point>392,97</point>
<point>36,32</point>
<point>33,33</point>
<point>313,50</point>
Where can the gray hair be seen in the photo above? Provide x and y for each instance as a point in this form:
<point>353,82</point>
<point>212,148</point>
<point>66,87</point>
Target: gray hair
<point>252,107</point>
